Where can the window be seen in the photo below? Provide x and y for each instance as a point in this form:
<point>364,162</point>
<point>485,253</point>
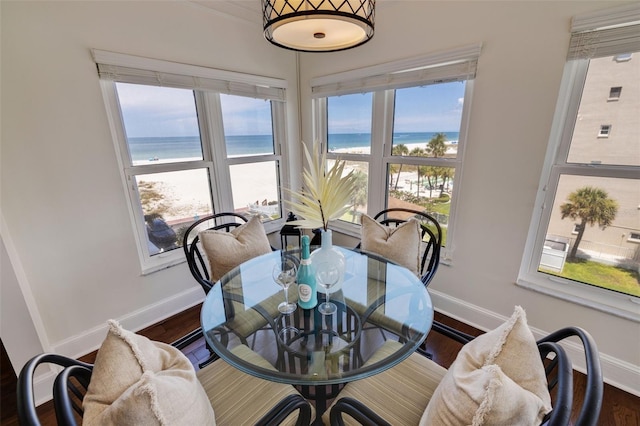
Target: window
<point>190,142</point>
<point>605,129</point>
<point>614,93</point>
<point>589,191</point>
<point>400,126</point>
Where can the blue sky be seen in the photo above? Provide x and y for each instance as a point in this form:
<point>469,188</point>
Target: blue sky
<point>435,108</point>
<point>151,111</point>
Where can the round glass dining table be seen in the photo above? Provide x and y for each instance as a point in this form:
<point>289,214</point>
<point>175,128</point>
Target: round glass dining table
<point>377,301</point>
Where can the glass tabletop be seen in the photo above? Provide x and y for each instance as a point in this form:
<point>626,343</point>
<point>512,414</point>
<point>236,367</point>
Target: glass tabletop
<point>378,302</point>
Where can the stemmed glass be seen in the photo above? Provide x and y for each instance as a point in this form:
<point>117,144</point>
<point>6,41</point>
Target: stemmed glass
<point>327,275</point>
<point>284,273</point>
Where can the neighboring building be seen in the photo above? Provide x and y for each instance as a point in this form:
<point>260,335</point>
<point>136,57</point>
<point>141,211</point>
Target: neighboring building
<point>607,131</point>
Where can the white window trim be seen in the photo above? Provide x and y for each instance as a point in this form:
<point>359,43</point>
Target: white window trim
<point>206,83</point>
<point>615,95</point>
<point>452,65</point>
<point>618,304</point>
<point>605,131</point>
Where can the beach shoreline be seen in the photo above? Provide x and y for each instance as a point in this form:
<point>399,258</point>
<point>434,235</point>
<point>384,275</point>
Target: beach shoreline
<point>187,193</point>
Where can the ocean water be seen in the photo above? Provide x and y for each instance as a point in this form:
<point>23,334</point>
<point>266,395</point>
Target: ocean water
<point>338,141</point>
<point>164,148</point>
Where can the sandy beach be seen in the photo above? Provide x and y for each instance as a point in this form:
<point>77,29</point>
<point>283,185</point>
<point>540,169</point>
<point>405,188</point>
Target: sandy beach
<point>451,148</point>
<point>186,193</point>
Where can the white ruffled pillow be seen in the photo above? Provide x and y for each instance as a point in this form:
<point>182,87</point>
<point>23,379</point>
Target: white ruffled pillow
<point>136,381</point>
<point>497,379</point>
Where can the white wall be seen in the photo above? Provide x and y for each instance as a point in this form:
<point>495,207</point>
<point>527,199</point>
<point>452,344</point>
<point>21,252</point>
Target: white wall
<point>62,197</point>
<point>64,205</point>
<point>519,72</point>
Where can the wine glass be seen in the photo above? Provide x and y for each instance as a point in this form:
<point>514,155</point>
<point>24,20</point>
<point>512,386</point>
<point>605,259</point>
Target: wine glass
<point>327,275</point>
<point>284,273</point>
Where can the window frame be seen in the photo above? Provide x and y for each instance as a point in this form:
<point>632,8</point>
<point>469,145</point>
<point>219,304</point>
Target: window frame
<point>614,93</point>
<point>380,156</point>
<point>605,131</point>
<point>209,110</point>
<point>555,165</point>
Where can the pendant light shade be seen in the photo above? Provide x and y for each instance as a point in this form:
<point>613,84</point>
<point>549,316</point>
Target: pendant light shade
<point>318,25</point>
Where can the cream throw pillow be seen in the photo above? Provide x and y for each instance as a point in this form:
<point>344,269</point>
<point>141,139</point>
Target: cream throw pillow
<point>400,244</point>
<point>136,381</point>
<point>226,250</point>
<point>497,379</point>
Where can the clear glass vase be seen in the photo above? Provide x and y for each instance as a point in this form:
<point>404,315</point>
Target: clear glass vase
<point>328,253</point>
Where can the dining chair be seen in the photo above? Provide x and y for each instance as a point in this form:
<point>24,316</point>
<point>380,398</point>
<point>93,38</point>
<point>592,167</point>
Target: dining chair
<point>222,393</point>
<point>208,263</point>
<point>430,235</point>
<point>196,259</point>
<point>423,392</point>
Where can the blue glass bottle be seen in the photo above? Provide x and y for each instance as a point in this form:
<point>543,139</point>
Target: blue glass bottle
<point>307,295</point>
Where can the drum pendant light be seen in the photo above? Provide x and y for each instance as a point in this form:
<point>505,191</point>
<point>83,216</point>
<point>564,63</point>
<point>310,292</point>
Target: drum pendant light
<point>318,25</point>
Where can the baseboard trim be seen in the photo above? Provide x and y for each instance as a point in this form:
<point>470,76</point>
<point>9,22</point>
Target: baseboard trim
<point>90,340</point>
<point>616,372</point>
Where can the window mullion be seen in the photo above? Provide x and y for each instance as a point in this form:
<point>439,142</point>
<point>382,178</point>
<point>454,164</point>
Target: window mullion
<point>382,121</point>
<point>570,95</point>
<point>114,115</point>
<point>203,124</point>
<point>219,177</point>
<point>282,151</point>
<point>165,167</point>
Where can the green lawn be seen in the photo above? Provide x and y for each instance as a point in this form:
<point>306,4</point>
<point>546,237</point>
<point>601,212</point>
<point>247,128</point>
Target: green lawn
<point>610,277</point>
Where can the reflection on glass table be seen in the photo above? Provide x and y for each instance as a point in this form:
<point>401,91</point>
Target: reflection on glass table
<point>378,301</point>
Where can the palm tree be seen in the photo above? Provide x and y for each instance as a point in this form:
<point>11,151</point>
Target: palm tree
<point>401,150</point>
<point>359,193</point>
<point>591,206</point>
<point>418,152</point>
<point>447,174</point>
<point>436,146</point>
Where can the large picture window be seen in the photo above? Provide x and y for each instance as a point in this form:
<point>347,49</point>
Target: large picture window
<point>401,128</point>
<point>190,147</point>
<point>579,246</point>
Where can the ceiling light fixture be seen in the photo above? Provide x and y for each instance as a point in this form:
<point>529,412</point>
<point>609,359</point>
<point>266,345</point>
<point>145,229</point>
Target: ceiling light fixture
<point>318,25</point>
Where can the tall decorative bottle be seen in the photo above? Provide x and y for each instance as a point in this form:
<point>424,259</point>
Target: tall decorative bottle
<point>328,253</point>
<point>307,296</point>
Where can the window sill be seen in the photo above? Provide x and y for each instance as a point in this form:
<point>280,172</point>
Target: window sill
<point>169,263</point>
<point>621,305</point>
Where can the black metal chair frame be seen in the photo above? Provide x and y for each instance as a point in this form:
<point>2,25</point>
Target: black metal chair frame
<point>559,372</point>
<point>433,245</point>
<point>198,268</point>
<point>226,221</point>
<point>70,387</point>
<point>195,260</point>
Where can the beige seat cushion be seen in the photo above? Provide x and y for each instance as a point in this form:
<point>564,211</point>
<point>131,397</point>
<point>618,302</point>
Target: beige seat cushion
<point>226,250</point>
<point>400,244</point>
<point>497,379</point>
<point>399,394</point>
<point>228,390</point>
<point>136,381</point>
<point>246,321</point>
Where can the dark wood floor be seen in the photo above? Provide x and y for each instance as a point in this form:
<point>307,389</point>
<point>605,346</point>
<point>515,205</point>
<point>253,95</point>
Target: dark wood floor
<point>619,408</point>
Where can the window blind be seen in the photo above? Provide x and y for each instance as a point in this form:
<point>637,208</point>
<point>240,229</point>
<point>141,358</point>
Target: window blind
<point>455,65</point>
<point>605,33</point>
<point>132,69</point>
